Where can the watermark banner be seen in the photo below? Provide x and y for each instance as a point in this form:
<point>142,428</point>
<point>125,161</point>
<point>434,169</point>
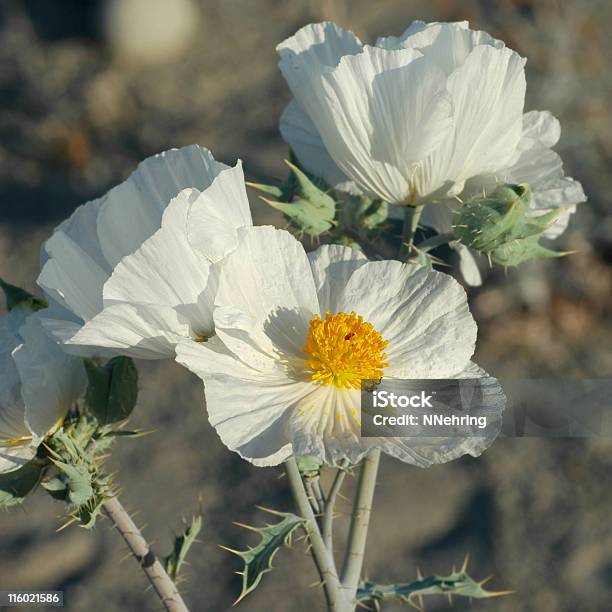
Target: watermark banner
<point>482,407</point>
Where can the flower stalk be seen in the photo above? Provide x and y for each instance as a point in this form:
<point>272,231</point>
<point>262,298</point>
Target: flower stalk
<point>141,551</point>
<point>328,515</point>
<point>435,241</point>
<point>360,522</point>
<point>336,600</point>
<point>412,216</point>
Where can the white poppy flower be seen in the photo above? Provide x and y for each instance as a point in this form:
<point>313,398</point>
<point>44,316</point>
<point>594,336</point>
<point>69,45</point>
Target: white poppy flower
<point>296,334</point>
<point>409,120</point>
<point>352,120</point>
<point>84,272</point>
<point>164,291</point>
<point>38,385</point>
<point>534,163</point>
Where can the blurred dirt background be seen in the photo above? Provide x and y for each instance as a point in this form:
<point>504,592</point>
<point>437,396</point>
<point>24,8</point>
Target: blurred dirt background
<point>89,88</point>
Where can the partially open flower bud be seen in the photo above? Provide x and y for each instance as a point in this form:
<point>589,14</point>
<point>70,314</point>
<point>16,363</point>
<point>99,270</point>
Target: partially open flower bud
<point>503,227</point>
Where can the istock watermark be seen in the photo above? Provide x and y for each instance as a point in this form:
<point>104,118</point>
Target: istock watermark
<point>486,407</point>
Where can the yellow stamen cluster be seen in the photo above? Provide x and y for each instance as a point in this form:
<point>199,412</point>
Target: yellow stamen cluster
<point>343,350</point>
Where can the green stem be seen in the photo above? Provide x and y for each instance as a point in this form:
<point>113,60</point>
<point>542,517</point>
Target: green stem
<point>312,498</point>
<point>360,521</point>
<point>435,241</point>
<point>323,558</point>
<point>412,216</point>
<point>328,516</point>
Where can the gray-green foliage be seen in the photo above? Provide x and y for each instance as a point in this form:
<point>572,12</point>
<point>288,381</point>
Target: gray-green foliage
<point>112,390</point>
<point>15,485</point>
<point>309,466</point>
<point>347,241</point>
<point>305,203</point>
<point>76,452</point>
<point>258,559</point>
<point>18,297</point>
<point>79,478</point>
<point>503,227</point>
<point>458,584</point>
<point>370,215</point>
<point>182,543</point>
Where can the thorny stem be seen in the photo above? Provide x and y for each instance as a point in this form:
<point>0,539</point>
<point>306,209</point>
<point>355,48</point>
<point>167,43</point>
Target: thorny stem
<point>435,241</point>
<point>360,521</point>
<point>324,561</point>
<point>412,216</point>
<point>153,569</point>
<point>328,516</point>
<point>318,493</point>
<point>310,492</point>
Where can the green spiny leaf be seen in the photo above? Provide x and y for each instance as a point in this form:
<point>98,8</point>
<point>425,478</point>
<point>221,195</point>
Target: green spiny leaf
<point>373,215</point>
<point>273,190</point>
<point>305,216</point>
<point>17,297</point>
<point>303,199</point>
<point>182,543</point>
<point>422,258</point>
<point>307,189</point>
<point>503,227</point>
<point>456,584</point>
<point>519,251</point>
<point>258,559</point>
<point>79,479</point>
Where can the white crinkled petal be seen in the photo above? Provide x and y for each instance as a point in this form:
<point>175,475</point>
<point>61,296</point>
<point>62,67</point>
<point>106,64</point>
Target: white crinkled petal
<point>83,251</point>
<point>165,271</point>
<point>143,331</point>
<point>12,408</point>
<point>63,328</point>
<point>489,125</point>
<point>422,313</point>
<point>253,343</point>
<point>268,272</point>
<point>71,277</point>
<point>439,216</point>
<point>215,216</point>
<point>419,34</point>
<point>446,44</point>
<point>539,127</point>
<point>300,133</point>
<point>132,211</point>
<point>332,266</point>
<point>565,192</point>
<point>320,44</point>
<point>82,229</point>
<point>378,112</point>
<point>467,264</point>
<point>248,409</point>
<point>51,380</point>
<point>425,451</point>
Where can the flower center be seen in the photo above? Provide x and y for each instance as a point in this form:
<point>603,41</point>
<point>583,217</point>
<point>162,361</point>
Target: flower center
<point>343,350</point>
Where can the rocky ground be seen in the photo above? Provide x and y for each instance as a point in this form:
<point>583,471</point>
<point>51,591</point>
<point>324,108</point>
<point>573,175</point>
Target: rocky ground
<point>79,111</point>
